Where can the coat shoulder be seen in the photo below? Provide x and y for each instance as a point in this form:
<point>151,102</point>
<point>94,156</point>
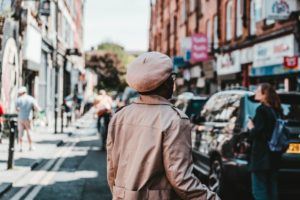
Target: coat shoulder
<point>180,113</point>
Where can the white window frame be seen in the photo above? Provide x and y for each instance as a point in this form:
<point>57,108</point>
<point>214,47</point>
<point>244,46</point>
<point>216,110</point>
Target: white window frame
<point>216,37</point>
<point>183,11</point>
<point>208,33</point>
<point>192,5</point>
<point>252,18</point>
<point>258,10</point>
<point>239,21</point>
<point>229,18</point>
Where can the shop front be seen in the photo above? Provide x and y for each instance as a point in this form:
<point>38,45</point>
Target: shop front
<point>269,63</point>
<point>229,70</point>
<point>211,85</point>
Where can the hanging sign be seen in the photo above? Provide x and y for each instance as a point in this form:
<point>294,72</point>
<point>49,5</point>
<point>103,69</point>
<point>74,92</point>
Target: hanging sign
<point>291,62</point>
<point>280,9</point>
<point>199,48</point>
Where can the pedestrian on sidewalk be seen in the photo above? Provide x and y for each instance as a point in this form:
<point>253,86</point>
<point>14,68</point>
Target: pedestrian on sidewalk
<point>264,163</point>
<point>149,141</point>
<point>103,103</point>
<point>24,105</point>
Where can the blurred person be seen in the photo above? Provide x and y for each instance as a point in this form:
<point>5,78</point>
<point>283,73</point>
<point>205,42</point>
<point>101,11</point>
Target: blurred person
<point>103,104</point>
<point>24,105</point>
<point>129,95</point>
<point>68,108</point>
<point>264,163</point>
<point>149,141</point>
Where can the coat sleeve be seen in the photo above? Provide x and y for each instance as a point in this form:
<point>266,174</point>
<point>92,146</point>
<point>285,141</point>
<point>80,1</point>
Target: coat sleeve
<point>259,125</point>
<point>110,164</point>
<point>177,157</point>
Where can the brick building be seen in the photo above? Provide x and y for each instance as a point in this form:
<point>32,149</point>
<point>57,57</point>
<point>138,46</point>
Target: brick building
<point>245,46</point>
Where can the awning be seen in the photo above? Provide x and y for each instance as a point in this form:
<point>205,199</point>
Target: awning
<point>272,70</point>
<point>178,62</point>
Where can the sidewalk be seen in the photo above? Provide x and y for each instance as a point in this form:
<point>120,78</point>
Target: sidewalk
<point>45,143</point>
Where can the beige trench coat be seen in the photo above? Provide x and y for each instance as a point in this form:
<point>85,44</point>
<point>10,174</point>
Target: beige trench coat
<point>149,153</point>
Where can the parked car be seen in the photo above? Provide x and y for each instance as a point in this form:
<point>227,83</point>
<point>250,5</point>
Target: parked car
<point>190,104</point>
<point>221,146</point>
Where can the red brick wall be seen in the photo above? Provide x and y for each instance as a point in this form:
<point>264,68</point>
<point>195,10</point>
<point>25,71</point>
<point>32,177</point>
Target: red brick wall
<point>165,13</point>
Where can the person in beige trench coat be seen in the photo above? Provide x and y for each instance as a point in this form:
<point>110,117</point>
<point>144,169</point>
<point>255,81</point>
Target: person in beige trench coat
<point>149,141</point>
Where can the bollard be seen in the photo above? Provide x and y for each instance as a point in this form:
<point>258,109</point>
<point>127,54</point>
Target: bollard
<point>10,128</point>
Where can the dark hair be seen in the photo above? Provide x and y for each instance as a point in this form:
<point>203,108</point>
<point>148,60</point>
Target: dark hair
<point>165,89</point>
<point>272,98</point>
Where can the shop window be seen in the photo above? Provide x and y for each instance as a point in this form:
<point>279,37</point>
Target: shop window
<point>216,37</point>
<point>192,5</point>
<point>208,33</point>
<point>229,12</point>
<point>258,6</point>
<point>183,11</point>
<point>252,18</point>
<point>239,21</point>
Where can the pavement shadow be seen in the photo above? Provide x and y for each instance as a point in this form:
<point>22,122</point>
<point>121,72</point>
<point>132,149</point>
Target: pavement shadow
<point>82,176</point>
<point>25,162</point>
<point>49,142</point>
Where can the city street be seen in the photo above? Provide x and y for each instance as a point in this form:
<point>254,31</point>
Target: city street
<point>193,99</point>
<point>76,170</point>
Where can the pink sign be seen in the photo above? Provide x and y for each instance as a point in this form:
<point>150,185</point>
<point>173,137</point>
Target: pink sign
<point>199,48</point>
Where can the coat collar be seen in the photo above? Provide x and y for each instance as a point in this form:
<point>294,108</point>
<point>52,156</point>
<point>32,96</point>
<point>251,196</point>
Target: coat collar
<point>152,100</point>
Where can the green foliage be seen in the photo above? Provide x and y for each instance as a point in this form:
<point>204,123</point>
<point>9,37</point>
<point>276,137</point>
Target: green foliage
<point>109,61</point>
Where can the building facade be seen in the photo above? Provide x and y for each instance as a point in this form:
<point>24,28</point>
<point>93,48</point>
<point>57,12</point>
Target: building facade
<point>45,41</point>
<point>247,42</point>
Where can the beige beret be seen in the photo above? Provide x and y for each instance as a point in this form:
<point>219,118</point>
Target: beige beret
<point>148,71</point>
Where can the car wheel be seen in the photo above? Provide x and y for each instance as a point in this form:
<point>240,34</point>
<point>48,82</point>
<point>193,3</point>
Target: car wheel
<point>215,181</point>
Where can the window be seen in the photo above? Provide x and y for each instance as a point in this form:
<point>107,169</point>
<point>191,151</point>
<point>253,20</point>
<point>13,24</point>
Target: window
<point>258,6</point>
<point>216,37</point>
<point>239,21</point>
<point>208,33</point>
<point>229,12</point>
<point>192,5</point>
<point>183,11</point>
<point>252,18</point>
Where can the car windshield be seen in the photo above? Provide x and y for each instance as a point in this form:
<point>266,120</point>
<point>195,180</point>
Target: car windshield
<point>221,107</point>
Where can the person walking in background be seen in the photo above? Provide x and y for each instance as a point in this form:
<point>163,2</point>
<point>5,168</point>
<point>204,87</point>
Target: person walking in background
<point>103,103</point>
<point>24,105</point>
<point>263,162</point>
<point>149,141</point>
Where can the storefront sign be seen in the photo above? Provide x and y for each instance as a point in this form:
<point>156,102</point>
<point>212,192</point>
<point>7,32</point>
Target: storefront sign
<point>272,52</point>
<point>209,69</point>
<point>200,83</point>
<point>186,75</point>
<point>199,48</point>
<point>291,62</point>
<point>280,9</point>
<point>195,71</point>
<point>247,55</point>
<point>229,63</point>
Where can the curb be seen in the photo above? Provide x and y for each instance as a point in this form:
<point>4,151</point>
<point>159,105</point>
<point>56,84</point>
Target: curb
<point>4,187</point>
